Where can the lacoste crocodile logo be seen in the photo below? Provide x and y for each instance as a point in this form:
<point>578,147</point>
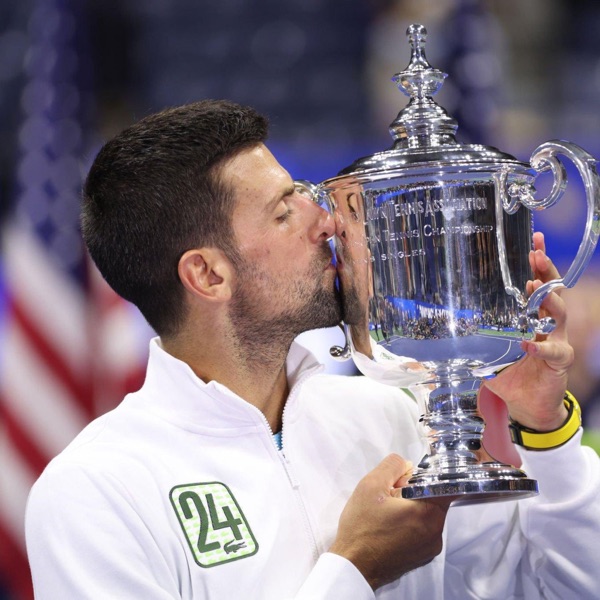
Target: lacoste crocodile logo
<point>233,546</point>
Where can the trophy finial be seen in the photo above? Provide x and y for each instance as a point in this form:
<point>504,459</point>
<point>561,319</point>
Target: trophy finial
<point>423,122</point>
<point>417,37</point>
<point>414,31</point>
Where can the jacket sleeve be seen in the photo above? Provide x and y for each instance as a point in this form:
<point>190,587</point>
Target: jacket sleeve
<point>84,540</point>
<point>335,577</point>
<point>540,547</point>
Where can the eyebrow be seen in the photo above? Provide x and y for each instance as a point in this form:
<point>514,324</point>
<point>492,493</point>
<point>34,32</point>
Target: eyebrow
<point>286,192</point>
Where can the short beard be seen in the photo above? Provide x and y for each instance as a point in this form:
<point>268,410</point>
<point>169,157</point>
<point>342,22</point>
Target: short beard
<point>264,338</point>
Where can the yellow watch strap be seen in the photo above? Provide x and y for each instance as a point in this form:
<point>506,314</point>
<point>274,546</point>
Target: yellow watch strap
<point>545,440</point>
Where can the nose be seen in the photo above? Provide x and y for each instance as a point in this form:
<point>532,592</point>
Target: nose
<point>322,224</point>
<point>324,227</point>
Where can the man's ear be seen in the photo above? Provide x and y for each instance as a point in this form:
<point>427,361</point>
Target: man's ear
<point>206,272</point>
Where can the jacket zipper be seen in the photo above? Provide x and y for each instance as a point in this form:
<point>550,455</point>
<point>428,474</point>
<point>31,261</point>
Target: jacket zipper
<point>289,471</point>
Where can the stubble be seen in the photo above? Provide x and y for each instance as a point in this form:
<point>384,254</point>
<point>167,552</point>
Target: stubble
<point>296,305</point>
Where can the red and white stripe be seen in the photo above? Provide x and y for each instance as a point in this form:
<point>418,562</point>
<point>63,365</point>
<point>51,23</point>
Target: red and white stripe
<point>66,356</point>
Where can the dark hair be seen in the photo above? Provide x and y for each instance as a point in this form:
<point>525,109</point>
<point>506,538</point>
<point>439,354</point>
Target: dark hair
<point>154,191</point>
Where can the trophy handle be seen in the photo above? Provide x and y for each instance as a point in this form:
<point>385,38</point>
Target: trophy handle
<point>342,353</point>
<point>542,159</point>
<point>308,188</point>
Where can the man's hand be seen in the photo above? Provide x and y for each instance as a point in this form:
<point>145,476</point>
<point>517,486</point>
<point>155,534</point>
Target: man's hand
<point>533,388</point>
<point>384,535</point>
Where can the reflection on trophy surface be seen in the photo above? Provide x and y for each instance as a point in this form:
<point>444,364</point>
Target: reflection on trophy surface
<point>432,243</point>
<point>354,264</point>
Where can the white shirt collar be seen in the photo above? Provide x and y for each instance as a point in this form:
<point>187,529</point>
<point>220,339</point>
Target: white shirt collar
<point>174,391</point>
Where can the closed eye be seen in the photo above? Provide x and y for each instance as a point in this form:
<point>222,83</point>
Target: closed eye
<point>285,216</point>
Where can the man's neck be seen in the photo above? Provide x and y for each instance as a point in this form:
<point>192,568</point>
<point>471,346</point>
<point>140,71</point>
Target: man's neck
<point>259,377</point>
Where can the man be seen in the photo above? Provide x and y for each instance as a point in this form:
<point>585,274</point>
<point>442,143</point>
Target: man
<point>182,491</point>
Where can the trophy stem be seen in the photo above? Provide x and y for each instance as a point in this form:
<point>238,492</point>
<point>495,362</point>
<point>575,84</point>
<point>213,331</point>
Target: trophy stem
<point>458,464</point>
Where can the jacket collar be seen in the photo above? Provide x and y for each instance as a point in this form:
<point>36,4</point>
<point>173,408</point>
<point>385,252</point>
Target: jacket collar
<point>174,392</point>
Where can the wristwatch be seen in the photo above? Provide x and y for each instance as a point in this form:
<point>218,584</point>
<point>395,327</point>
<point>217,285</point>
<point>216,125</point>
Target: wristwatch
<point>545,440</point>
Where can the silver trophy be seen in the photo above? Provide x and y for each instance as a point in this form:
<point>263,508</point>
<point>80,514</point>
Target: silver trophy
<point>432,243</point>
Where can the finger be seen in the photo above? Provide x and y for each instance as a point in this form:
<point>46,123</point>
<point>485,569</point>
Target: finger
<point>541,264</point>
<point>554,306</point>
<point>405,476</point>
<point>553,348</point>
<point>544,267</point>
<point>542,312</point>
<point>557,355</point>
<point>442,502</point>
<point>539,241</point>
<point>434,505</point>
<point>390,470</point>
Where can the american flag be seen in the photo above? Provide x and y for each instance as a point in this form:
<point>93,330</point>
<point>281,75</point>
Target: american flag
<point>69,347</point>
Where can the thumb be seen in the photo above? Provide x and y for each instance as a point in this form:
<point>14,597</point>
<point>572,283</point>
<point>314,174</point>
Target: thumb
<point>393,471</point>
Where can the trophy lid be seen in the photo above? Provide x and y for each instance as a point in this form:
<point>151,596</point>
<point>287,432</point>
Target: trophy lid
<point>424,133</point>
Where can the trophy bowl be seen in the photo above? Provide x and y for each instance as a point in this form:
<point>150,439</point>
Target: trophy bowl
<point>432,243</point>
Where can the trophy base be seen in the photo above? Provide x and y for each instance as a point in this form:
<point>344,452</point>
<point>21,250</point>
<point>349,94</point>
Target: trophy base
<point>484,482</point>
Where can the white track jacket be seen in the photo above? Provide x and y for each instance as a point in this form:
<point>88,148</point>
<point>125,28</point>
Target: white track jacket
<point>181,492</point>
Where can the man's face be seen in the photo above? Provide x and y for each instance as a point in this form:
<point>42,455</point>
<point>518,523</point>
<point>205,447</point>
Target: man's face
<point>286,281</point>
